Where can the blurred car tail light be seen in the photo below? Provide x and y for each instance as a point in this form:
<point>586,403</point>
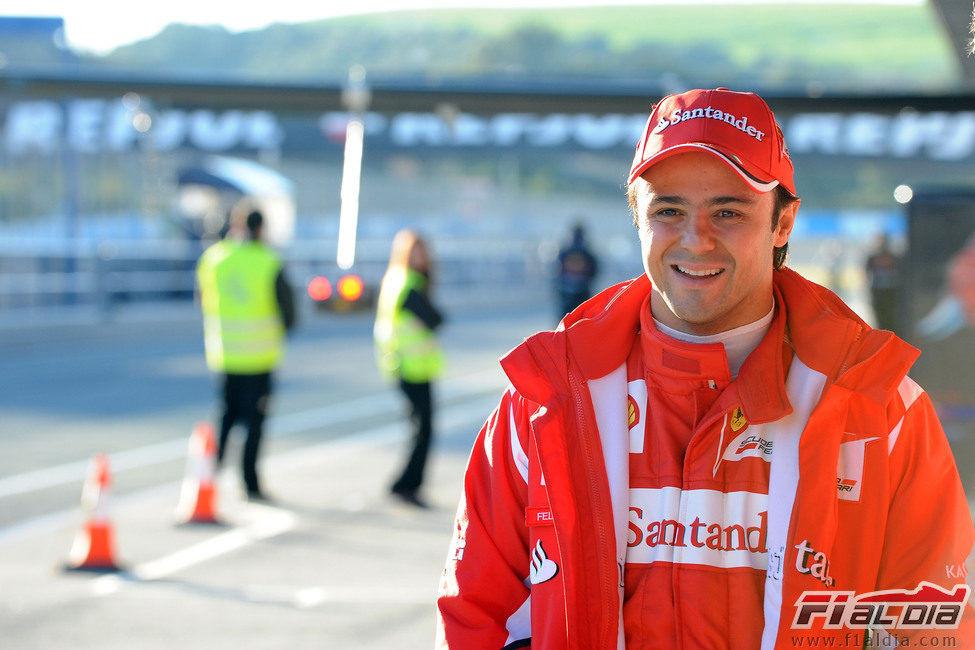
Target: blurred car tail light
<point>319,289</point>
<point>350,287</point>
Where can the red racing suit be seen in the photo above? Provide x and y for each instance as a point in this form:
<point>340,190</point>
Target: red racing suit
<point>862,495</point>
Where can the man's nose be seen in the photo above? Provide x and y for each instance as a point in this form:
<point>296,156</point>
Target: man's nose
<point>698,235</point>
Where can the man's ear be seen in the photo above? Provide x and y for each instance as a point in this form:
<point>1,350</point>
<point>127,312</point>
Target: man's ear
<point>787,219</point>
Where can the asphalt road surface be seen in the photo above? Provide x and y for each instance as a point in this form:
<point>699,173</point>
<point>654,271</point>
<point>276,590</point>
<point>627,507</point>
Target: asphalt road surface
<point>332,562</point>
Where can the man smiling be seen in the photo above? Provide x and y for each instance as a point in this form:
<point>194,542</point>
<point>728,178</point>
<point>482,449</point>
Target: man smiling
<point>707,242</point>
<point>715,454</point>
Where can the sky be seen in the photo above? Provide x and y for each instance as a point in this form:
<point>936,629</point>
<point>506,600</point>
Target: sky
<point>100,26</point>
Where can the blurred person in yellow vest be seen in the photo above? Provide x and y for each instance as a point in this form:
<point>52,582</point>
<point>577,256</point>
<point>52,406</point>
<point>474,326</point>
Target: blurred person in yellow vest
<point>248,307</point>
<point>407,349</point>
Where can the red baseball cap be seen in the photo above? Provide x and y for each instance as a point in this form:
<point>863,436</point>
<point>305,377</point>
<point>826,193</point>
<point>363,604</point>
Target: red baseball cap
<point>738,128</point>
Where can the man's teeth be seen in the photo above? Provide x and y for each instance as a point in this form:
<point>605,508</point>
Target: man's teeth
<point>699,274</point>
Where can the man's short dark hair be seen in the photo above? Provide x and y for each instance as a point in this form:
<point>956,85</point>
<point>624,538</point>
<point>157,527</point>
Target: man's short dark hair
<point>254,222</point>
<point>782,200</point>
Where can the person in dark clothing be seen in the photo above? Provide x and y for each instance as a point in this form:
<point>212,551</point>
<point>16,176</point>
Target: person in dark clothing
<point>248,307</point>
<point>577,267</point>
<point>883,273</point>
<point>407,349</point>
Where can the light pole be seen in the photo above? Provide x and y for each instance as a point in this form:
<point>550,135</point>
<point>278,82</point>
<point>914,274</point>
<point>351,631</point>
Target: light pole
<point>355,97</point>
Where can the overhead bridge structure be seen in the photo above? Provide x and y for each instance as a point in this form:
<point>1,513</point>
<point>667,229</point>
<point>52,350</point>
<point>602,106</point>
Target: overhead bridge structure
<point>478,96</point>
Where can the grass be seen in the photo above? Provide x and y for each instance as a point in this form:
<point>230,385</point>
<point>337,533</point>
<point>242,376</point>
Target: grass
<point>908,39</point>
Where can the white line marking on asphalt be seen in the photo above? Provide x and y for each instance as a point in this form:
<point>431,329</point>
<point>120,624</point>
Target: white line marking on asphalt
<point>310,597</point>
<point>278,425</point>
<point>272,523</point>
<point>368,594</point>
<point>75,471</point>
<point>55,520</point>
<point>456,416</point>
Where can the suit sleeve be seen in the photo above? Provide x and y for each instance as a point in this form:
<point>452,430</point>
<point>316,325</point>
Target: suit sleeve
<point>286,300</point>
<point>420,306</point>
<point>930,532</point>
<point>483,600</point>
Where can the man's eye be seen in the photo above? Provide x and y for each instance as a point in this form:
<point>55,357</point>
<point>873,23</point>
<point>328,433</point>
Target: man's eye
<point>727,214</point>
<point>666,212</point>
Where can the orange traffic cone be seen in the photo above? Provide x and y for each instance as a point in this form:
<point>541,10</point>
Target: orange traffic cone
<point>94,546</point>
<point>198,497</point>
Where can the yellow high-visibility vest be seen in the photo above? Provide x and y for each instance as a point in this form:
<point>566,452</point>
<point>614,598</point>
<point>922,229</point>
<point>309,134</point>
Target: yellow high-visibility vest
<point>242,325</point>
<point>405,346</point>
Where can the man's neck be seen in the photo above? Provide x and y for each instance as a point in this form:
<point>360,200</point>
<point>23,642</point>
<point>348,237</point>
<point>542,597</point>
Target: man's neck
<point>738,342</point>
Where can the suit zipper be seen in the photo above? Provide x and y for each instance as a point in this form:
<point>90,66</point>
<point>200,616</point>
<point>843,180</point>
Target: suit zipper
<point>593,490</point>
<point>849,354</point>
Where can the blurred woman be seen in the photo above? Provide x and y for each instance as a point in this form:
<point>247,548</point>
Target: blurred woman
<point>407,349</point>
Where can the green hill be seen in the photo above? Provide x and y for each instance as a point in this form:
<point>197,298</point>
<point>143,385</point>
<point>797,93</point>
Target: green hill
<point>787,46</point>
